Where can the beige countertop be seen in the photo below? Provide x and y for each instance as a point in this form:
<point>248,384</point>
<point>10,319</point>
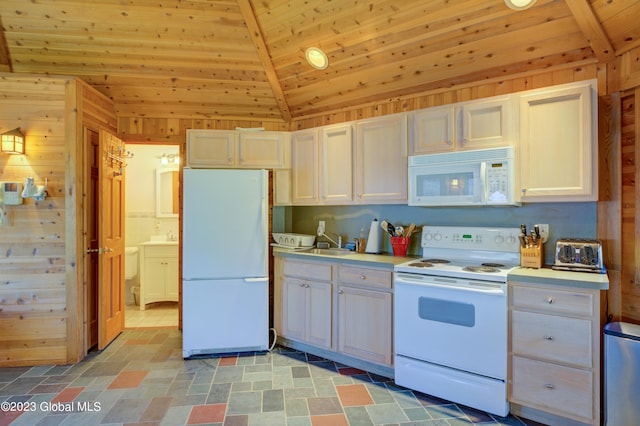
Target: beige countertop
<point>380,260</point>
<point>546,275</point>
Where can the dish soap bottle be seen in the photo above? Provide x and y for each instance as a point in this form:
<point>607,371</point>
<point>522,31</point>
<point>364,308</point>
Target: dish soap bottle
<point>361,242</point>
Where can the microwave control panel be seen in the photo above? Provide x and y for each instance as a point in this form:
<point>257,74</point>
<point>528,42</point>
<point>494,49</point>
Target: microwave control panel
<point>498,178</point>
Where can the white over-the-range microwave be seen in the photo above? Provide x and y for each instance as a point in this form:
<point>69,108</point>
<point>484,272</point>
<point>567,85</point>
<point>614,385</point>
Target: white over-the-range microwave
<point>483,177</point>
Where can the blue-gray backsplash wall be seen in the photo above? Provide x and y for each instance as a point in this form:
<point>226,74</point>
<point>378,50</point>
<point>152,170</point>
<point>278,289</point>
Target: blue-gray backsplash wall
<point>575,220</point>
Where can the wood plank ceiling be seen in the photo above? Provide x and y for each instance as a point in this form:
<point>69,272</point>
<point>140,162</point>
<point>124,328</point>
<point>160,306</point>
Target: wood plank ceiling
<point>244,59</point>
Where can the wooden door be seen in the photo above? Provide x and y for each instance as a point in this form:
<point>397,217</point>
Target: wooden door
<point>111,240</point>
<point>92,171</point>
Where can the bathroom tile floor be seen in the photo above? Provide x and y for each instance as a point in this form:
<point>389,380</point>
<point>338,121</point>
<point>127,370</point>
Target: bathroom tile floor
<point>160,314</point>
<point>141,379</point>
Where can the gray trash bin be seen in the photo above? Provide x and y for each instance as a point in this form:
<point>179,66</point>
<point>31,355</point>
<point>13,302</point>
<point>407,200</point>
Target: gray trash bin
<point>621,374</point>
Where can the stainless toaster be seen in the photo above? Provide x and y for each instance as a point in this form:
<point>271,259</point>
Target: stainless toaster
<point>579,255</point>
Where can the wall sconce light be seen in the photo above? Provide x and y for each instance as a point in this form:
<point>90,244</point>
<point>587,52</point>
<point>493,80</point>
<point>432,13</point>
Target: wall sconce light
<point>169,159</point>
<point>13,142</point>
<point>317,58</point>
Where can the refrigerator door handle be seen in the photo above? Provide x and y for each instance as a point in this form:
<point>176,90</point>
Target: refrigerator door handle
<point>256,280</point>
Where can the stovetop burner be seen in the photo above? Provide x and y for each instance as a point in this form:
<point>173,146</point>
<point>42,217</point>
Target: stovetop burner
<point>493,265</point>
<point>483,268</point>
<point>421,264</point>
<point>435,261</point>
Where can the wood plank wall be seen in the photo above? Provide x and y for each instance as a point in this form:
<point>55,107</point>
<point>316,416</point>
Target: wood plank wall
<point>163,130</point>
<point>629,281</point>
<point>41,278</point>
<point>32,244</point>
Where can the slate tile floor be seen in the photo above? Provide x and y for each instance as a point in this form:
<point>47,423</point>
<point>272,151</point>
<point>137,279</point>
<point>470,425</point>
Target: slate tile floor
<point>141,379</point>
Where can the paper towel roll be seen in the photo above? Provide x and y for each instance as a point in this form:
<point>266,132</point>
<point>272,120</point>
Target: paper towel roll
<point>373,243</point>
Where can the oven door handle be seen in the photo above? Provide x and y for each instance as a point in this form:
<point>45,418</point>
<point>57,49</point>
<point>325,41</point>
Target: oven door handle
<point>483,287</point>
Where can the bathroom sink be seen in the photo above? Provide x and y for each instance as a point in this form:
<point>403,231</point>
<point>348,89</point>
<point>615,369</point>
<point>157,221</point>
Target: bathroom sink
<point>330,251</point>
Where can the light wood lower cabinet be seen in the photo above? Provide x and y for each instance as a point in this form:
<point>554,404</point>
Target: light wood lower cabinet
<point>159,277</point>
<point>342,308</point>
<point>306,308</point>
<point>364,313</point>
<point>555,353</point>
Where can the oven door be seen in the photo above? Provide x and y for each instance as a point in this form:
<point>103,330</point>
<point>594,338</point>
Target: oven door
<point>447,185</point>
<point>455,323</point>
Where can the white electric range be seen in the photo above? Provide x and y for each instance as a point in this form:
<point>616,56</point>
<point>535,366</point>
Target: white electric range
<point>450,315</point>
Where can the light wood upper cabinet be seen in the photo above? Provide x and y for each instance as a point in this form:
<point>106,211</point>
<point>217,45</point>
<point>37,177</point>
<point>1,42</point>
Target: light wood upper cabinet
<point>237,149</point>
<point>487,123</point>
<point>336,165</point>
<point>480,124</point>
<point>433,130</point>
<point>263,149</point>
<point>211,148</point>
<point>304,167</point>
<point>558,149</point>
<point>381,160</point>
<point>322,166</point>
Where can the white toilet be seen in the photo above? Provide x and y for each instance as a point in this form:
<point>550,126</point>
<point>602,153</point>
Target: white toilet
<point>131,275</point>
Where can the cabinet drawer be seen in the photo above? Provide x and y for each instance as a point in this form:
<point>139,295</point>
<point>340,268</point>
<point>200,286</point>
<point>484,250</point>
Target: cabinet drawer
<point>311,270</point>
<point>161,251</point>
<point>550,387</point>
<point>553,301</point>
<point>365,277</point>
<point>553,338</point>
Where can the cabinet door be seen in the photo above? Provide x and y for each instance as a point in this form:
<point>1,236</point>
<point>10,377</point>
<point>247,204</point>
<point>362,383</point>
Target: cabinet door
<point>364,324</point>
<point>172,279</point>
<point>318,319</point>
<point>486,124</point>
<point>153,288</point>
<point>558,152</point>
<point>336,165</point>
<point>433,130</point>
<point>211,148</point>
<point>304,167</point>
<point>294,301</point>
<point>381,160</point>
<point>262,149</point>
<point>282,187</point>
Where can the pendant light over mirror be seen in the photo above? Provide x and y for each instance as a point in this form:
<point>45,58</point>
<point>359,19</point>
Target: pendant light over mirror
<point>317,58</point>
<point>519,4</point>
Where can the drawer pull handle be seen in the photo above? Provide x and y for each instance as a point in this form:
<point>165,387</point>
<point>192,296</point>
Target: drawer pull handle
<point>549,337</point>
<point>340,292</point>
<point>550,386</point>
<point>550,300</point>
<point>362,277</point>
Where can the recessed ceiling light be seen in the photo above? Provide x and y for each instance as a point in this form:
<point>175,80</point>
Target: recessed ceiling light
<point>317,58</point>
<point>519,4</point>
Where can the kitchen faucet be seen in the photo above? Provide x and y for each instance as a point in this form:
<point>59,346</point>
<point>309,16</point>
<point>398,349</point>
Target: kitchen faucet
<point>338,244</point>
<point>321,233</point>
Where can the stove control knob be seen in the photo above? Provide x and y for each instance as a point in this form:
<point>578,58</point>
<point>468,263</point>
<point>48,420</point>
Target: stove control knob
<point>511,240</point>
<point>428,236</point>
<point>437,237</point>
<point>499,239</point>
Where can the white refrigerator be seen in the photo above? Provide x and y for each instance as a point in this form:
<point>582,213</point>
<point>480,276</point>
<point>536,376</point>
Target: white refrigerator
<point>225,277</point>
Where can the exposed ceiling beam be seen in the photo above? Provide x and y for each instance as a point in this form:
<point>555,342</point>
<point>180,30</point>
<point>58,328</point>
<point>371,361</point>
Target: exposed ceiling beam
<point>5,60</point>
<point>263,53</point>
<point>592,30</point>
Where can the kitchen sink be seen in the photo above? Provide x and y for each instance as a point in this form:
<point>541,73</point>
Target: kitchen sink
<point>330,251</point>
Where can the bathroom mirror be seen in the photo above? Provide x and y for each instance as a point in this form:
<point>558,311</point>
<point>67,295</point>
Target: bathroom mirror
<point>167,185</point>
